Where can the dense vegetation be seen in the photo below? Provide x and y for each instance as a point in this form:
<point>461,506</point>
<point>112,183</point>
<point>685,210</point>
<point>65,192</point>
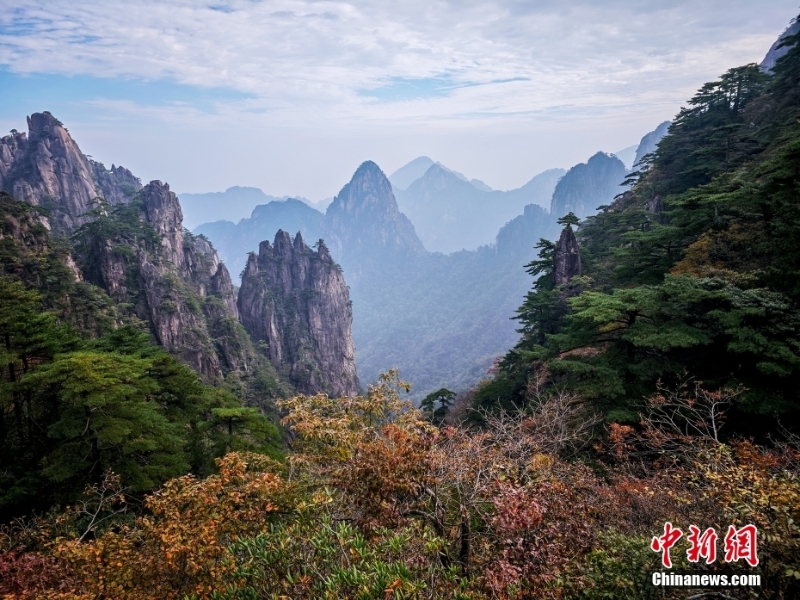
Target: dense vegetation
<point>693,273</point>
<point>84,391</point>
<point>375,502</point>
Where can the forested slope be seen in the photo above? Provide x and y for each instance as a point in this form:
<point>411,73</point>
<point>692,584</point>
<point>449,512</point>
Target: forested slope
<point>693,273</point>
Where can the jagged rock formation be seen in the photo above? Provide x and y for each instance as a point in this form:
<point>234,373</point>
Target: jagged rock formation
<point>567,259</point>
<point>46,168</point>
<point>175,282</point>
<point>234,241</point>
<point>296,301</point>
<point>364,221</point>
<point>650,141</point>
<point>588,185</point>
<point>776,51</point>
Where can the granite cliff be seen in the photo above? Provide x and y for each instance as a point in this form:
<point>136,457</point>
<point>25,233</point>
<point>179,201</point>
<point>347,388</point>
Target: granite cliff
<point>128,243</point>
<point>46,168</point>
<point>174,281</point>
<point>295,300</point>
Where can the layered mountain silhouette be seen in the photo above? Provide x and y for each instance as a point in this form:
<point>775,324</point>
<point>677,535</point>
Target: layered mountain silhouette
<point>452,214</point>
<point>441,318</point>
<point>588,185</point>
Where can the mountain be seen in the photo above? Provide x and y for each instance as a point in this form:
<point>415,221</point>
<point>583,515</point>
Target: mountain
<point>46,168</point>
<point>233,204</point>
<point>588,185</point>
<point>235,241</point>
<point>412,309</point>
<point>777,50</point>
<point>649,142</point>
<point>627,155</point>
<point>690,279</point>
<point>451,214</point>
<point>132,249</point>
<point>296,301</point>
<point>364,224</point>
<point>539,190</point>
<point>409,173</point>
<point>174,282</point>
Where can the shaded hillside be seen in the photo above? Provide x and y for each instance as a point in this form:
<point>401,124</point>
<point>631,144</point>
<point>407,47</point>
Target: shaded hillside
<point>588,185</point>
<point>692,275</point>
<point>84,390</point>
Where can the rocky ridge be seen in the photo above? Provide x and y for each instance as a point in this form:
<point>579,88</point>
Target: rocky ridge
<point>295,300</point>
<point>130,243</point>
<point>46,168</point>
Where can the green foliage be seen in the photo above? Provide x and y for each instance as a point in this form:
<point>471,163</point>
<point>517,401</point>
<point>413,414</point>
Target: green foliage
<point>568,219</point>
<point>437,414</point>
<point>106,420</point>
<point>71,408</point>
<point>695,270</point>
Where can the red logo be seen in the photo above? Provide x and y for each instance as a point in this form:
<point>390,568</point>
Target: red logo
<point>740,544</point>
<point>665,542</point>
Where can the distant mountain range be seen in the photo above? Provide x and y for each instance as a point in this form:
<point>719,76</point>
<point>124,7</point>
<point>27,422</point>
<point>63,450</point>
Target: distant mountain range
<point>408,174</point>
<point>233,204</point>
<point>420,303</point>
<point>452,214</point>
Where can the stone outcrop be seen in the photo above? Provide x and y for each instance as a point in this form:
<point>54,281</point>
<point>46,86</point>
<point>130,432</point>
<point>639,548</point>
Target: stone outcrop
<point>567,259</point>
<point>295,300</point>
<point>364,220</point>
<point>46,168</point>
<point>174,281</point>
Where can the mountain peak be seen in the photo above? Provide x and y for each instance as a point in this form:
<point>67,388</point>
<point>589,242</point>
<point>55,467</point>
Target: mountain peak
<point>367,205</point>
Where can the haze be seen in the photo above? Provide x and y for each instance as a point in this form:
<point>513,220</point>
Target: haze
<point>291,96</point>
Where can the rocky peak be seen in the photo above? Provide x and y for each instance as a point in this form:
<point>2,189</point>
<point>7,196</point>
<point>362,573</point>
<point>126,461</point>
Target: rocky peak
<point>46,168</point>
<point>296,301</point>
<point>364,219</point>
<point>567,259</point>
<point>162,211</point>
<point>588,185</point>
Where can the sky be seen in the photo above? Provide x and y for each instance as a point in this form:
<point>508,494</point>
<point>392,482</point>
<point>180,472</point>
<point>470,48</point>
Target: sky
<point>292,95</point>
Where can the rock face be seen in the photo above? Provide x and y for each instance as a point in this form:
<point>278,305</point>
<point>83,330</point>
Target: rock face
<point>174,281</point>
<point>364,221</point>
<point>588,185</point>
<point>776,51</point>
<point>567,260</point>
<point>46,168</point>
<point>650,141</point>
<point>296,301</point>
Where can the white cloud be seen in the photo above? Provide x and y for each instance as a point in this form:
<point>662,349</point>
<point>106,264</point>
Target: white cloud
<point>305,65</point>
